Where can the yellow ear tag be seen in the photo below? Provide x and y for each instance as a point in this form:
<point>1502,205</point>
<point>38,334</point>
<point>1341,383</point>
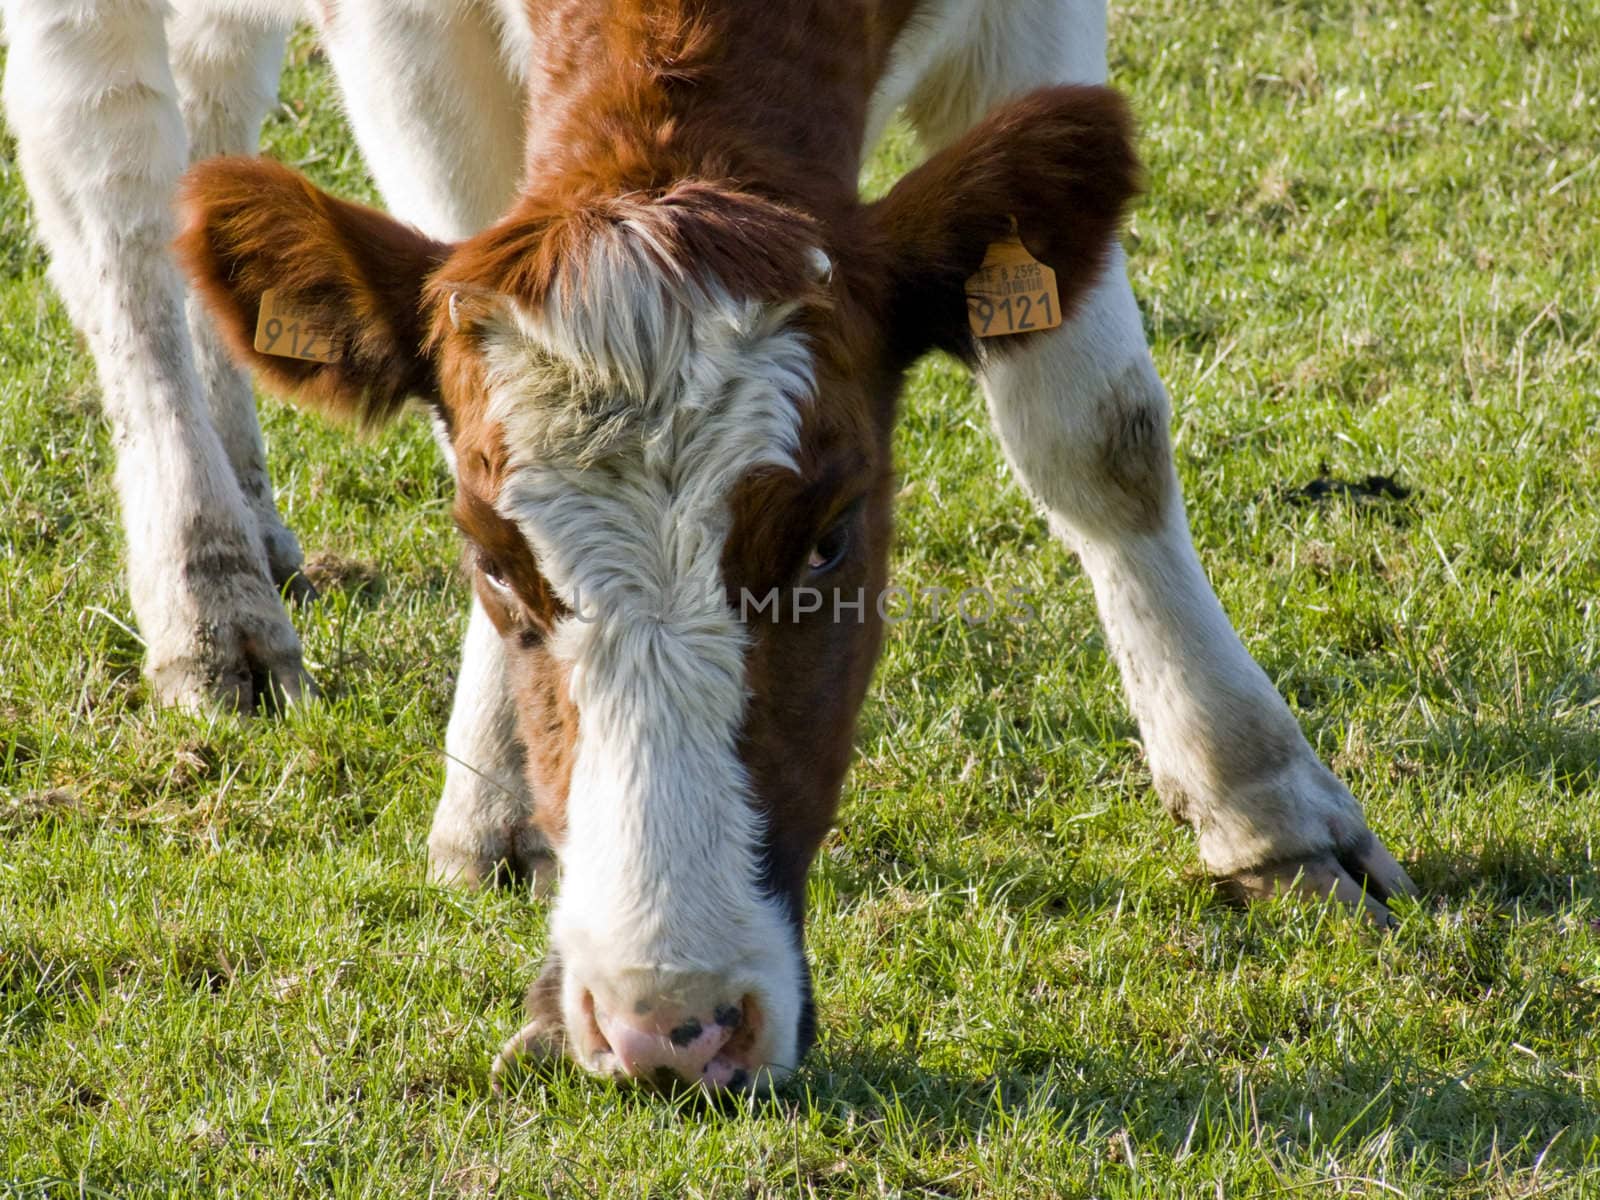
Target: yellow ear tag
<point>1012,292</point>
<point>283,332</point>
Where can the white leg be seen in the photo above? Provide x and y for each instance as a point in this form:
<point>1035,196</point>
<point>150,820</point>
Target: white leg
<point>1083,419</point>
<point>436,103</point>
<point>91,98</point>
<point>484,822</point>
<point>446,150</point>
<point>226,66</point>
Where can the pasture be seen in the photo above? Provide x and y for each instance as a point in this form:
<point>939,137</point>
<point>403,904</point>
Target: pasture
<point>1369,253</point>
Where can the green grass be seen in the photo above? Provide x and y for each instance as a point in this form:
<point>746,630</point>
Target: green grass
<point>1369,245</point>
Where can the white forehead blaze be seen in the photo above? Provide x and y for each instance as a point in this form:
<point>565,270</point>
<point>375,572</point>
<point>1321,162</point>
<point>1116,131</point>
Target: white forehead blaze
<point>622,486</point>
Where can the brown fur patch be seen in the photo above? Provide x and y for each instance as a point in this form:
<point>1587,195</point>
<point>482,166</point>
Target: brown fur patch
<point>696,233</point>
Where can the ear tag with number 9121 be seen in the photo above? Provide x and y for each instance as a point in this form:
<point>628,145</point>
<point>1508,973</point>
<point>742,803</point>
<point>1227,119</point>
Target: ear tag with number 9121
<point>1012,292</point>
<point>283,332</point>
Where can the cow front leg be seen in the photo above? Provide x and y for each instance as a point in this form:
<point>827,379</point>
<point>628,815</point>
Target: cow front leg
<point>543,1037</point>
<point>1083,419</point>
<point>483,827</point>
<point>226,66</point>
<point>91,99</point>
<point>437,113</point>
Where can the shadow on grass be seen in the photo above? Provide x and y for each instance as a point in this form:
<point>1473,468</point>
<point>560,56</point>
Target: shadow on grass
<point>1378,1097</point>
<point>1544,752</point>
<point>1482,1116</point>
<point>1378,1101</point>
<point>1509,875</point>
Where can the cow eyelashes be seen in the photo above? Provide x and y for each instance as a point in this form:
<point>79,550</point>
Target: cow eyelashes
<point>830,549</point>
<point>836,542</point>
<point>491,571</point>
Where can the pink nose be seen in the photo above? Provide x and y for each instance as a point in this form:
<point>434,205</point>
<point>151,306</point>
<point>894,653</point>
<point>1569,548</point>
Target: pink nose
<point>691,1051</point>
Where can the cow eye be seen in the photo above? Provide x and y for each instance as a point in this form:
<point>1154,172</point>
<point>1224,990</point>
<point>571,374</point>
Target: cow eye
<point>492,572</point>
<point>830,549</point>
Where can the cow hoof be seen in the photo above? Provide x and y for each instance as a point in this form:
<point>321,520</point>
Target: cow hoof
<point>1362,875</point>
<point>242,661</point>
<point>498,856</point>
<point>285,563</point>
<point>471,871</point>
<point>543,1040</point>
<point>295,588</point>
<point>535,1045</point>
<point>243,682</point>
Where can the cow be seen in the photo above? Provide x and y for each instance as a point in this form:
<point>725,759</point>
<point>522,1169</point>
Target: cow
<point>629,277</point>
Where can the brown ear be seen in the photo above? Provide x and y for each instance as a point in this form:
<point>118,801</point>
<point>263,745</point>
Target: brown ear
<point>351,273</point>
<point>1060,161</point>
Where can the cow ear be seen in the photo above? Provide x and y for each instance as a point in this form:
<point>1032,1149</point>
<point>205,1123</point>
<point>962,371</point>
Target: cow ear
<point>1058,162</point>
<point>342,286</point>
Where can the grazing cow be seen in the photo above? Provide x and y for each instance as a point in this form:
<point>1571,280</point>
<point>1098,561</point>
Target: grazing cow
<point>661,340</point>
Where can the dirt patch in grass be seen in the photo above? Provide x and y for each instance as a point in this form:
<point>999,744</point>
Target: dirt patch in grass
<point>1372,489</point>
<point>330,572</point>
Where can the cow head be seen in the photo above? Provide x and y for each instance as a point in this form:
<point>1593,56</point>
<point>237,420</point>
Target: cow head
<point>669,413</point>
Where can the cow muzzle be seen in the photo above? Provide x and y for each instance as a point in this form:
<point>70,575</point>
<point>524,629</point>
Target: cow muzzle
<point>670,1029</point>
<point>735,1028</point>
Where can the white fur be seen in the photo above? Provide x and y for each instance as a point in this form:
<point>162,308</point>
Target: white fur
<point>108,98</point>
<point>660,901</point>
<point>434,92</point>
<point>485,813</point>
<point>957,59</point>
<point>226,66</point>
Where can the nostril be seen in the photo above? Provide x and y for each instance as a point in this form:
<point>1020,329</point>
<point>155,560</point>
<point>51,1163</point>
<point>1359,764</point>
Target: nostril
<point>686,1033</point>
<point>744,1022</point>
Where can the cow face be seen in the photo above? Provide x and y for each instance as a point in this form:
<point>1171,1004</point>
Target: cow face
<point>669,415</point>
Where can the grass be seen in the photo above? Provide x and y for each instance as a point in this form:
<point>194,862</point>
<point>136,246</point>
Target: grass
<point>1369,246</point>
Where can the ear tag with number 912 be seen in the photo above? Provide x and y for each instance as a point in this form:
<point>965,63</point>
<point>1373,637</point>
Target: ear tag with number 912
<point>1012,292</point>
<point>283,332</point>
